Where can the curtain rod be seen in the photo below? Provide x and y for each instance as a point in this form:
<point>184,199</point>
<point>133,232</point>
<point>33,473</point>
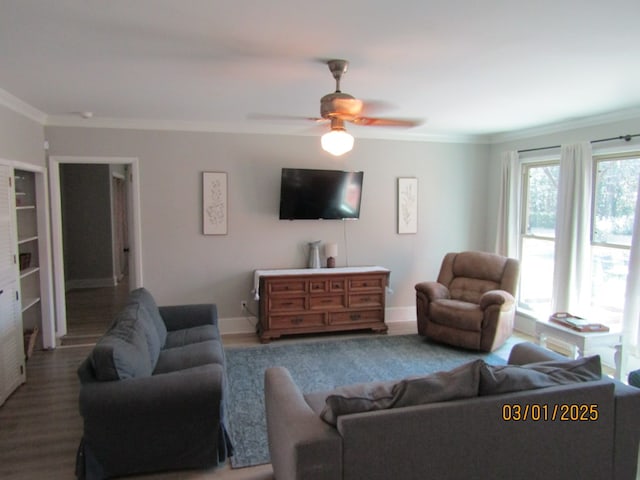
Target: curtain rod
<point>626,138</point>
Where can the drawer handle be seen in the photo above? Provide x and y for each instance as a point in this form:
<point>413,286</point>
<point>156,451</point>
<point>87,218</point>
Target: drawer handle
<point>326,300</point>
<point>364,284</point>
<point>296,321</point>
<point>336,285</point>
<point>366,299</point>
<point>355,316</point>
<point>286,304</point>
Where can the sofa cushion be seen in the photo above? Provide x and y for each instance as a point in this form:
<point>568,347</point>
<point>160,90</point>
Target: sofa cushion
<point>460,382</point>
<point>457,314</point>
<point>144,298</point>
<point>513,378</point>
<point>188,356</point>
<point>151,332</point>
<point>470,289</point>
<point>361,397</point>
<point>187,336</point>
<point>122,352</point>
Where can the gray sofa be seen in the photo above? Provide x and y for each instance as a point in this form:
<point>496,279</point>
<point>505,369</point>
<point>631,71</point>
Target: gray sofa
<point>471,438</point>
<point>152,392</point>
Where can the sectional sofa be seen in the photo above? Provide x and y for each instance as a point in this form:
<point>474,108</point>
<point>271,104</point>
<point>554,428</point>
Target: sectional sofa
<point>540,416</point>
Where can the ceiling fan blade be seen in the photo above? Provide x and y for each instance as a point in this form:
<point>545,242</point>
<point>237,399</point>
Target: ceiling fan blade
<point>386,122</point>
<point>266,116</point>
<point>372,107</point>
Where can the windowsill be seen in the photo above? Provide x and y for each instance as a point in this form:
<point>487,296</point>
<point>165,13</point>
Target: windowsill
<point>527,314</point>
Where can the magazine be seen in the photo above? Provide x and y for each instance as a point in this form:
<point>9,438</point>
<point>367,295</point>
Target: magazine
<point>577,323</point>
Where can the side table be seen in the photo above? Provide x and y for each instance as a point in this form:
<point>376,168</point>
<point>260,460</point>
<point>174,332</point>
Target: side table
<point>580,341</point>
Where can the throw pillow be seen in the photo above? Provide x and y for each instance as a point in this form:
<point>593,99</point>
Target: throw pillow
<point>363,397</point>
<point>513,378</point>
<point>123,351</point>
<point>144,298</point>
<point>461,382</point>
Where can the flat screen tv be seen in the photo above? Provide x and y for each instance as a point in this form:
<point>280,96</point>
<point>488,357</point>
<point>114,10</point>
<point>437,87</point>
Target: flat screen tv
<point>308,194</point>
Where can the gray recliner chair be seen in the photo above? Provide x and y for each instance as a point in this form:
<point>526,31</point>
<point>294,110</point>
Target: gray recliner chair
<point>472,304</point>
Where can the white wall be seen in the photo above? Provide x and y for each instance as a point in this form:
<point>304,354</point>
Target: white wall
<point>21,139</point>
<point>181,265</point>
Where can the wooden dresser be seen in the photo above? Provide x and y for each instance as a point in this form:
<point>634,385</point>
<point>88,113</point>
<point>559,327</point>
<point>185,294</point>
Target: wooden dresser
<point>320,300</point>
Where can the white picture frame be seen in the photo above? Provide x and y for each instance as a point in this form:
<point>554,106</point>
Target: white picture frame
<point>407,205</point>
<point>214,203</point>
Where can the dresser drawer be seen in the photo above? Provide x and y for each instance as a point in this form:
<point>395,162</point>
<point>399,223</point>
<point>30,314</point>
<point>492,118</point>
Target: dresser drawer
<point>297,321</point>
<point>365,316</point>
<point>337,285</point>
<point>366,300</point>
<point>285,303</point>
<point>367,283</point>
<point>326,301</point>
<point>318,286</point>
<point>275,287</point>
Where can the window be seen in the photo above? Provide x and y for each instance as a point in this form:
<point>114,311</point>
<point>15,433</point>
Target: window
<point>614,199</point>
<point>537,235</point>
<point>614,194</point>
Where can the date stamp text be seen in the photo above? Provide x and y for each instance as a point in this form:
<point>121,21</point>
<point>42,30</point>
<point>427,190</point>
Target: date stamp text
<point>542,412</point>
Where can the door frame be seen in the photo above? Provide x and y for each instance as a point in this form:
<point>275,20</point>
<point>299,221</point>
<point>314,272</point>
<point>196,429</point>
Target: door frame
<point>135,230</point>
<point>116,254</point>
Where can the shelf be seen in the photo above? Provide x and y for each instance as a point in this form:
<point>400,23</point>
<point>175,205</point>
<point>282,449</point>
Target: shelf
<point>26,207</point>
<point>27,240</point>
<point>29,302</point>
<point>20,194</point>
<point>28,271</point>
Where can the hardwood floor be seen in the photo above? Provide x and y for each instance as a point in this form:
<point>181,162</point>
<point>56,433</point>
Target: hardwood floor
<point>40,426</point>
<point>90,311</point>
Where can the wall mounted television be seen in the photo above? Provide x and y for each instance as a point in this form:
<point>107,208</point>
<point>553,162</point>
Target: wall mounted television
<point>308,194</point>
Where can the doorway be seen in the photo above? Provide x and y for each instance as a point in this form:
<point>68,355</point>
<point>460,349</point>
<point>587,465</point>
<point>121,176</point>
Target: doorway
<point>91,286</point>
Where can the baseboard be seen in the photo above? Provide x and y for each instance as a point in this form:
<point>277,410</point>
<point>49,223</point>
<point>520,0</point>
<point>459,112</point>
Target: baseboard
<point>235,325</point>
<point>400,314</point>
<point>89,283</point>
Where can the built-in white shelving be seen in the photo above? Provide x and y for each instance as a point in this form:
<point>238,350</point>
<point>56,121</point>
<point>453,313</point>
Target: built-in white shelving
<point>27,240</point>
<point>28,249</point>
<point>29,271</point>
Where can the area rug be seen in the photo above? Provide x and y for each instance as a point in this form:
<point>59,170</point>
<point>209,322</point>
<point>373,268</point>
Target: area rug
<point>322,365</point>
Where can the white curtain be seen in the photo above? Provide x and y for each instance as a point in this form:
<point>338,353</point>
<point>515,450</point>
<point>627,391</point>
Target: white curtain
<point>572,272</point>
<point>507,243</point>
<point>631,315</point>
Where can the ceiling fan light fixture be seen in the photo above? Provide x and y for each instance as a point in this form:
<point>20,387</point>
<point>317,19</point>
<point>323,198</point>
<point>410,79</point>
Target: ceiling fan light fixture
<point>337,141</point>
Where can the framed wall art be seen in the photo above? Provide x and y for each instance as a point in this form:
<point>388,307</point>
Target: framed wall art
<point>407,205</point>
<point>214,203</point>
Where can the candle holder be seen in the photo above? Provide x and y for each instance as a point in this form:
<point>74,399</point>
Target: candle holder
<point>331,252</point>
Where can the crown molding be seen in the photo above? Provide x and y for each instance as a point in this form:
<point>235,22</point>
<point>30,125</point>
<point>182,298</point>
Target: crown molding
<point>591,121</point>
<point>23,108</point>
<point>19,106</point>
<point>247,127</point>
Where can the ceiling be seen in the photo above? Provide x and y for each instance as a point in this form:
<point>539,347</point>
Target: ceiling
<point>468,68</point>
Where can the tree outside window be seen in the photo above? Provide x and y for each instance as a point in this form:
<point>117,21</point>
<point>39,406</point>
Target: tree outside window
<point>614,201</point>
<point>540,195</point>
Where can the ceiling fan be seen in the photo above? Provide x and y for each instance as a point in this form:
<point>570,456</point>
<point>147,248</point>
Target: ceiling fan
<point>339,107</point>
